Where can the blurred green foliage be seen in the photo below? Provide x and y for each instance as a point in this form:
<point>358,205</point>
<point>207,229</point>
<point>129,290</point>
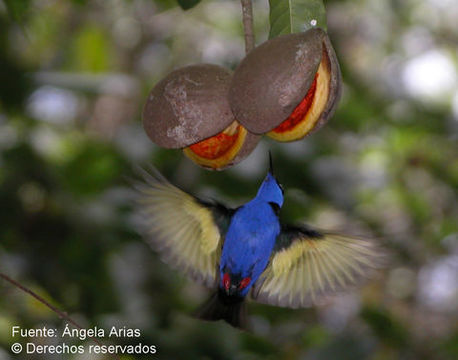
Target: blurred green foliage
<point>187,4</point>
<point>17,9</point>
<point>73,79</point>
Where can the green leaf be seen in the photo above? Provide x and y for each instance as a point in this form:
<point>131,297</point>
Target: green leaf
<point>292,16</point>
<point>187,4</point>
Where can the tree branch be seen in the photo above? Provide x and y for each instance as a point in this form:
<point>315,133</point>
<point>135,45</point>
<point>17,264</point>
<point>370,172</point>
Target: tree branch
<point>60,313</point>
<point>247,14</point>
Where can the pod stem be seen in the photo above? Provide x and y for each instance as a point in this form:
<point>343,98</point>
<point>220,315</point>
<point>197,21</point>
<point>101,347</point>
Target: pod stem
<point>60,313</point>
<point>247,18</point>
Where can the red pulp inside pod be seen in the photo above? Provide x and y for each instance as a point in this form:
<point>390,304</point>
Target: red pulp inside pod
<point>300,111</point>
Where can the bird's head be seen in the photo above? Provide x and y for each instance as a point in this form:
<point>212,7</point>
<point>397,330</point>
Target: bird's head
<point>271,190</point>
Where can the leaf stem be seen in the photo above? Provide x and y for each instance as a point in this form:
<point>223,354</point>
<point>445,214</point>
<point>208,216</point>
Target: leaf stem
<point>247,18</point>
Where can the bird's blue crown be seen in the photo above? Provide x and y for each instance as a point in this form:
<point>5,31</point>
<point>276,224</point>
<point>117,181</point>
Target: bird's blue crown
<point>271,190</point>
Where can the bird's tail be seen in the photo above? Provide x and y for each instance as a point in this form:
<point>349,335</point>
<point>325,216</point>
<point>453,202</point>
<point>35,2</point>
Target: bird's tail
<point>220,306</point>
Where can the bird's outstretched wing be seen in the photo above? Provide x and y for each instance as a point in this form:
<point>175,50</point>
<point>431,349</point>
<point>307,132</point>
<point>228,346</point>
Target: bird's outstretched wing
<point>187,232</point>
<point>307,265</point>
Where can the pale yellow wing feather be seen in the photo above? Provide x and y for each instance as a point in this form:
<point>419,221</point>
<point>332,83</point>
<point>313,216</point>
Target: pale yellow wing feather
<point>180,228</point>
<point>310,268</point>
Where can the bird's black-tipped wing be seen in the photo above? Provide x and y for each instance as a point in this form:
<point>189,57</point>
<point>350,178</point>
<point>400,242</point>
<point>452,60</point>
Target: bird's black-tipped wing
<point>307,265</point>
<point>186,231</point>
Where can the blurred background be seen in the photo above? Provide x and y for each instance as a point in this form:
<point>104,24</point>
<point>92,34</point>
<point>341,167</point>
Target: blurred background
<point>74,75</point>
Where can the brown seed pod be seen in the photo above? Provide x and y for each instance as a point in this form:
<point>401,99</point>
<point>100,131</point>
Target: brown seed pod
<point>288,86</point>
<point>224,149</point>
<point>189,109</point>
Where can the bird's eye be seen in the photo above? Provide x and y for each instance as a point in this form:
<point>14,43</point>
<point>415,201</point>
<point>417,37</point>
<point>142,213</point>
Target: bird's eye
<point>244,283</point>
<point>275,207</point>
<point>281,188</point>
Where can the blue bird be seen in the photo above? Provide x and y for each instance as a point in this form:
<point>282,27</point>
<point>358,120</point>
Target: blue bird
<point>247,250</point>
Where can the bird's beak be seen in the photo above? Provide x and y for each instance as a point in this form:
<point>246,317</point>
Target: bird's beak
<point>271,167</point>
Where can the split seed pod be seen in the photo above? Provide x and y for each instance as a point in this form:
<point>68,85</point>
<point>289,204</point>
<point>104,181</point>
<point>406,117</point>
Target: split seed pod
<point>288,86</point>
<point>189,109</point>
